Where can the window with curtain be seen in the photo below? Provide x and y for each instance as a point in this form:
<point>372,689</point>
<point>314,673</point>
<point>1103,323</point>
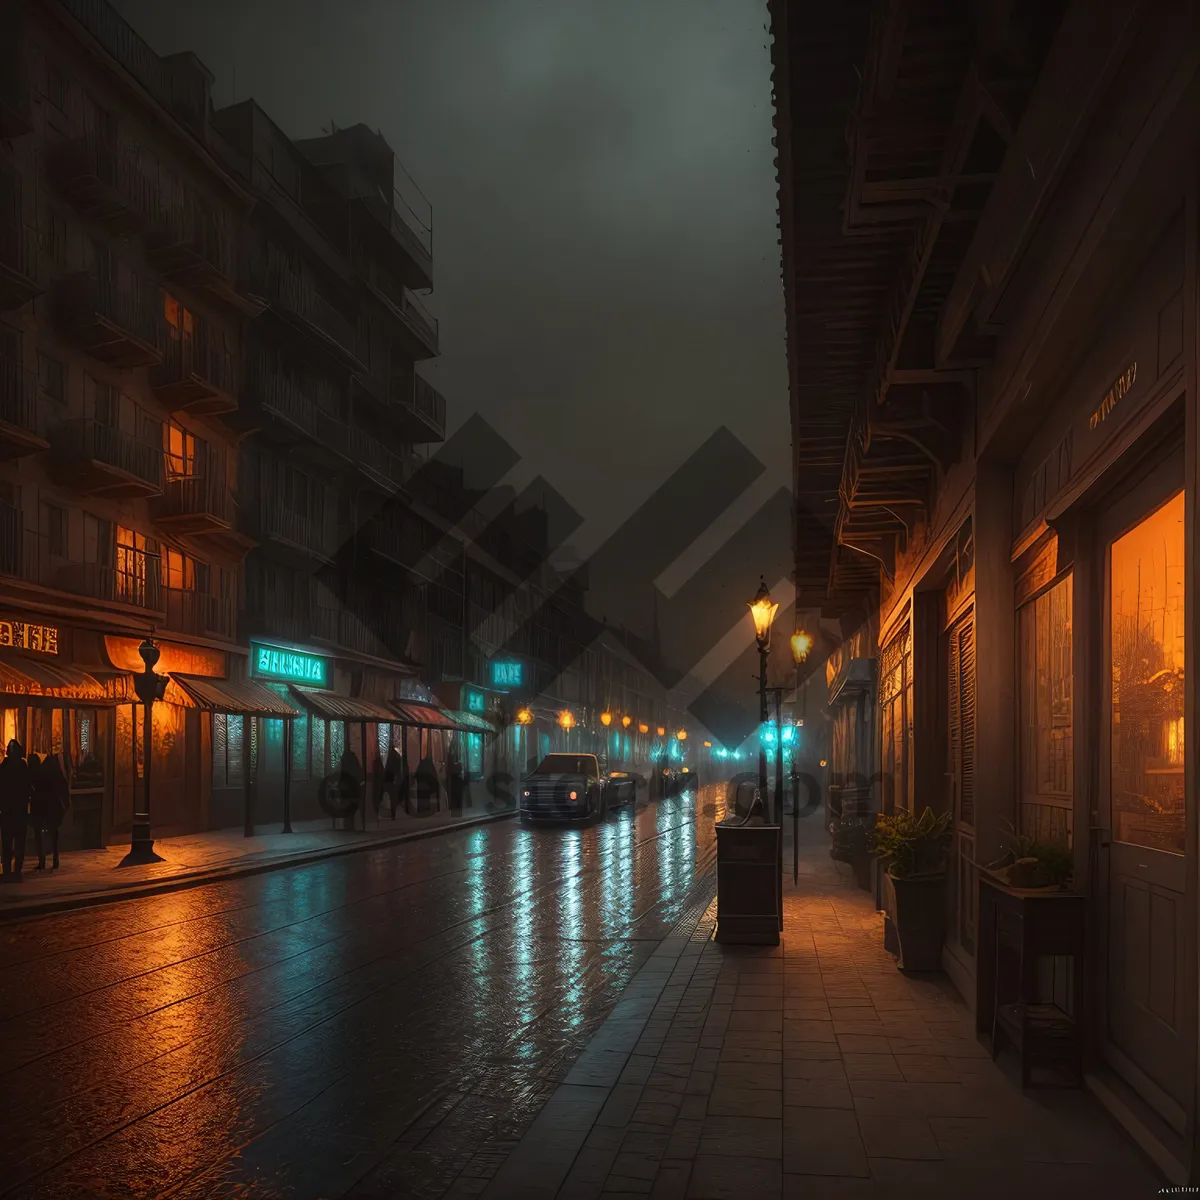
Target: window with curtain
<point>179,448</point>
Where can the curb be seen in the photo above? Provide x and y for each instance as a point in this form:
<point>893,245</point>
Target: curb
<point>19,910</point>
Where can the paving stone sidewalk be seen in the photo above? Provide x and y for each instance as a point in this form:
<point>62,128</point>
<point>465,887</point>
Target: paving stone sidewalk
<point>814,1069</point>
<point>88,877</point>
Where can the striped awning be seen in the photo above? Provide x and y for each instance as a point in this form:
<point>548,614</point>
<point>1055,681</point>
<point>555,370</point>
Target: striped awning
<point>240,697</point>
<point>24,675</point>
<point>469,722</point>
<point>425,716</point>
<point>333,707</point>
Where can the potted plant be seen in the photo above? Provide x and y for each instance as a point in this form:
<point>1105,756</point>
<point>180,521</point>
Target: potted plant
<point>1033,863</point>
<point>851,844</point>
<point>914,850</point>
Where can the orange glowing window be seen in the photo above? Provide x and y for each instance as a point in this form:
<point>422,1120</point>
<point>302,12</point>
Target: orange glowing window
<point>181,571</point>
<point>129,581</point>
<point>180,449</point>
<point>180,320</point>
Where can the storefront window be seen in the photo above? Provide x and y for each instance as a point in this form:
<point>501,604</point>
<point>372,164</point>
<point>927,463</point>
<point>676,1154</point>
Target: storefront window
<point>1045,712</point>
<point>300,768</point>
<point>1146,634</point>
<point>318,728</point>
<point>895,704</point>
<point>227,750</point>
<point>337,742</point>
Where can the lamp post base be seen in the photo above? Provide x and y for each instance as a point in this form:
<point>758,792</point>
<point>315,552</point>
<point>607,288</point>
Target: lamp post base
<point>141,845</point>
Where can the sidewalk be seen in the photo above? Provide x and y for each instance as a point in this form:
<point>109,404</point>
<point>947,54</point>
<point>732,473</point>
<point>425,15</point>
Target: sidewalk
<point>88,877</point>
<point>813,1069</point>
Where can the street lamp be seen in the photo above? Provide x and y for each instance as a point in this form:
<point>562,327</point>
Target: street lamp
<point>606,719</point>
<point>762,610</point>
<point>802,643</point>
<point>625,721</point>
<point>149,687</point>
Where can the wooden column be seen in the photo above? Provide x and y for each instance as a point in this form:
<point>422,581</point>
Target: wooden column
<point>995,660</point>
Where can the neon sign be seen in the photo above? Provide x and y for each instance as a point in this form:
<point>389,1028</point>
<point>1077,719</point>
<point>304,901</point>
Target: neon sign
<point>291,666</point>
<point>22,635</point>
<point>507,673</point>
<point>476,701</point>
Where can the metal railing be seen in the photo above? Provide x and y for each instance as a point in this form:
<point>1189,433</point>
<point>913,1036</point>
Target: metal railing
<point>276,520</point>
<point>286,286</point>
<point>429,402</point>
<point>406,303</point>
<point>281,395</point>
<point>84,438</point>
<point>18,396</point>
<point>196,495</point>
<point>198,356</point>
<point>198,613</point>
<point>112,163</point>
<point>132,305</point>
<point>181,217</point>
<point>19,249</point>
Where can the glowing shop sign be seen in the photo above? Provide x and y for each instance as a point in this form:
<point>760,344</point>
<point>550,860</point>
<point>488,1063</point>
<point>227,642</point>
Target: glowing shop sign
<point>476,701</point>
<point>292,666</point>
<point>22,635</point>
<point>507,674</point>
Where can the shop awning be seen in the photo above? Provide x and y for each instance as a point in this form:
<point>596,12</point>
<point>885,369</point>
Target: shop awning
<point>469,722</point>
<point>333,707</point>
<point>424,716</point>
<point>239,697</point>
<point>24,675</point>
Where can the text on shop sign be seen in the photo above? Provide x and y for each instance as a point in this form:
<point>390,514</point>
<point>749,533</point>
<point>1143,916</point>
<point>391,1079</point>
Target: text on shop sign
<point>274,662</point>
<point>1121,386</point>
<point>22,635</point>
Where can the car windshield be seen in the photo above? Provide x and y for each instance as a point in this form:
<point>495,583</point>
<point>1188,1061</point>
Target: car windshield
<point>568,764</point>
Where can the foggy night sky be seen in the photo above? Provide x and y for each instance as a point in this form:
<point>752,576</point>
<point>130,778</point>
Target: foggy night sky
<point>601,175</point>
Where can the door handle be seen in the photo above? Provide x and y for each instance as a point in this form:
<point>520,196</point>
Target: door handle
<point>1103,834</point>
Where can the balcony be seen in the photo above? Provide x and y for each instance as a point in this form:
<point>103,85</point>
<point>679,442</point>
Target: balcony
<point>16,117</point>
<point>102,179</point>
<point>415,321</point>
<point>188,241</point>
<point>408,243</point>
<point>384,469</point>
<point>304,537</point>
<point>18,266</point>
<point>198,613</point>
<point>195,504</point>
<point>115,321</point>
<point>295,297</point>
<point>196,376</point>
<point>26,554</point>
<point>418,408</point>
<point>18,412</point>
<point>95,459</point>
<point>397,545</point>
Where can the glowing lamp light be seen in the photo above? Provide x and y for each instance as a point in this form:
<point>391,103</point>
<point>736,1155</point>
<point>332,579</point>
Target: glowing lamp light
<point>763,610</point>
<point>625,721</point>
<point>643,729</point>
<point>802,643</point>
<point>682,735</point>
<point>822,762</point>
<point>524,717</point>
<point>708,745</point>
<point>566,720</point>
<point>606,718</point>
<point>661,731</point>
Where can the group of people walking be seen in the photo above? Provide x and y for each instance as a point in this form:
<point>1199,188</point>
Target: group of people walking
<point>34,794</point>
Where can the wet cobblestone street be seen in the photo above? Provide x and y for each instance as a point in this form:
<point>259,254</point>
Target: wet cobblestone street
<point>364,1026</point>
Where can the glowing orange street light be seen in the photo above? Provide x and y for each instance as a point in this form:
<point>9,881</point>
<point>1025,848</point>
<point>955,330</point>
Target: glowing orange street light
<point>643,729</point>
<point>524,717</point>
<point>708,745</point>
<point>606,718</point>
<point>763,610</point>
<point>661,731</point>
<point>802,643</point>
<point>625,721</point>
<point>566,720</point>
<point>682,735</point>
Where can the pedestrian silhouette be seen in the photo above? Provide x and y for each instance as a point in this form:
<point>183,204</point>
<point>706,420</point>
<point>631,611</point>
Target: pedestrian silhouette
<point>50,797</point>
<point>14,809</point>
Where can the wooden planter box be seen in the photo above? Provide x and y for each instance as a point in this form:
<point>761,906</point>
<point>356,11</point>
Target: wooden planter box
<point>915,926</point>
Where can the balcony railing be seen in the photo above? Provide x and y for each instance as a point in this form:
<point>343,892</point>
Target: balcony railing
<point>421,405</point>
<point>18,399</point>
<point>189,240</point>
<point>196,375</point>
<point>411,312</point>
<point>19,261</point>
<point>132,577</point>
<point>376,460</point>
<point>291,291</point>
<point>198,613</point>
<point>107,459</point>
<point>117,321</point>
<point>15,108</point>
<point>280,523</point>
<point>197,503</point>
<point>103,179</point>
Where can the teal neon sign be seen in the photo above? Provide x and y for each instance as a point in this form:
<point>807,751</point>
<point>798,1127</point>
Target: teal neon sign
<point>288,666</point>
<point>476,701</point>
<point>507,673</point>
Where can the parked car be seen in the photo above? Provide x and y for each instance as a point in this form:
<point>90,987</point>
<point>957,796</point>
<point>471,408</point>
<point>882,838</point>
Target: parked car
<point>571,787</point>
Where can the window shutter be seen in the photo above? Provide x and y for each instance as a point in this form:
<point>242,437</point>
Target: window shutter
<point>953,737</point>
<point>966,722</point>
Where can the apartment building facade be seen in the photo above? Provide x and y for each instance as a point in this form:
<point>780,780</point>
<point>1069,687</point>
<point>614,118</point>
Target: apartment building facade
<point>119,344</point>
<point>991,305</point>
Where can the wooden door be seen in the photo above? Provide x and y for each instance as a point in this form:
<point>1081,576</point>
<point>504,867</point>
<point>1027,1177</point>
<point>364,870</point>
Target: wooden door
<point>1141,794</point>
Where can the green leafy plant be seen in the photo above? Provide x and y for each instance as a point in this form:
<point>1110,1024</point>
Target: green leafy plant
<point>913,845</point>
<point>1038,862</point>
<point>850,841</point>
